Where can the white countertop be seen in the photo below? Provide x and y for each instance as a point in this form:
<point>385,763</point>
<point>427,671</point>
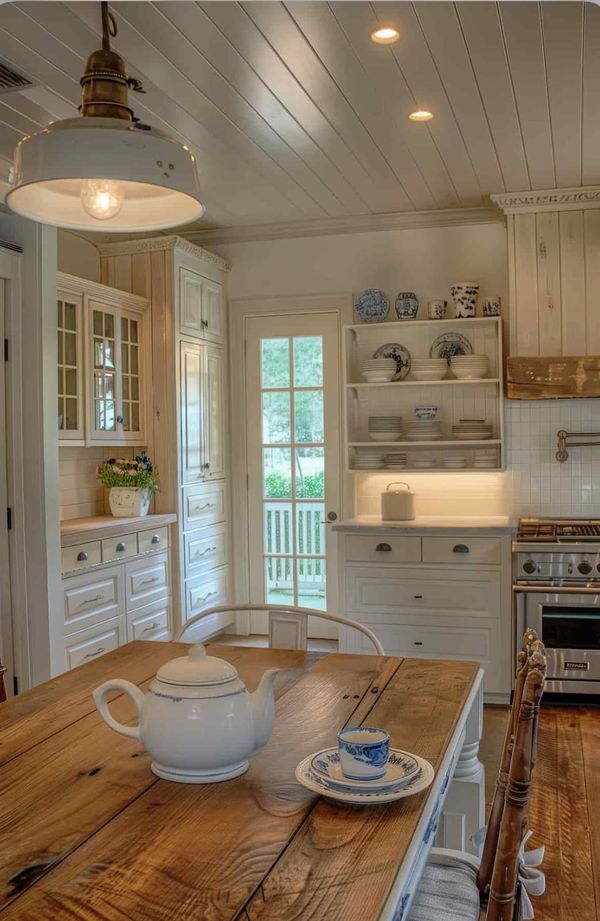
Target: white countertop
<point>75,530</point>
<point>431,523</point>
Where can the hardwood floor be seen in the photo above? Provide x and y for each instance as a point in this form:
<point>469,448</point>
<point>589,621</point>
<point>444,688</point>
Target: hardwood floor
<point>565,802</point>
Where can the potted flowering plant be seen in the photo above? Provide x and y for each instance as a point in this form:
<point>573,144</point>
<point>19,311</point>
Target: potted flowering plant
<point>132,484</point>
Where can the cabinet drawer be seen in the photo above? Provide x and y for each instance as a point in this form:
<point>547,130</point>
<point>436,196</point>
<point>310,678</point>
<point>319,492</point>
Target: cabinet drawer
<point>157,539</point>
<point>206,591</point>
<point>89,644</point>
<point>204,505</point>
<point>81,556</point>
<point>205,550</point>
<point>465,550</point>
<point>150,622</point>
<point>146,580</point>
<point>389,548</point>
<point>90,599</point>
<point>119,548</point>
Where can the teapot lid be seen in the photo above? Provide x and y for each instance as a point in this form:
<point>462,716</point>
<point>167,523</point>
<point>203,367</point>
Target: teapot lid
<point>197,669</point>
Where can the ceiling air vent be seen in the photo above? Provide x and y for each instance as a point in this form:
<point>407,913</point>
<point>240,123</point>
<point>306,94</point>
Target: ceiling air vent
<point>10,80</point>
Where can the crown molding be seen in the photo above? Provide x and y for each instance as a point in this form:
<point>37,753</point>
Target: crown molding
<point>574,199</point>
<point>100,292</point>
<point>363,223</point>
<point>161,243</point>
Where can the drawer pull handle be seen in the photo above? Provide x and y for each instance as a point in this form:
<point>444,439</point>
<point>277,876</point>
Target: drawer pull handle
<point>149,581</point>
<point>121,547</point>
<point>417,596</point>
<point>205,598</point>
<point>204,324</point>
<point>200,553</point>
<point>98,652</point>
<point>155,539</point>
<point>383,548</point>
<point>460,548</point>
<point>202,508</point>
<point>151,627</point>
<point>93,600</point>
<point>417,643</point>
<point>82,556</point>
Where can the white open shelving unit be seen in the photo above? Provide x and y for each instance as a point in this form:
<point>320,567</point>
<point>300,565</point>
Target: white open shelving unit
<point>473,399</point>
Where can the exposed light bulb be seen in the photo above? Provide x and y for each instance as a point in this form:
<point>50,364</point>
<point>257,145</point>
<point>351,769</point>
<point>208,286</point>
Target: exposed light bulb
<point>102,198</point>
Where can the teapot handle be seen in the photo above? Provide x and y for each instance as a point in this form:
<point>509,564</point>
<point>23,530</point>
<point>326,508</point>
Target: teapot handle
<point>127,687</point>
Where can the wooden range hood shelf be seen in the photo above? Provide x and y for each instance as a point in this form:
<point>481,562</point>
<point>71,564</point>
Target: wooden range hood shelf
<point>553,378</point>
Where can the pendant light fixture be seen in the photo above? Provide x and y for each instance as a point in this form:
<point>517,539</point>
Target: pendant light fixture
<point>105,170</point>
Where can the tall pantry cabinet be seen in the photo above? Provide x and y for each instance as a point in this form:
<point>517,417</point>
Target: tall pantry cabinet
<point>188,428</point>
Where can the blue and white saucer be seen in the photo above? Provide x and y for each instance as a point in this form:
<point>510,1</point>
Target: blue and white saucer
<point>402,767</point>
<point>320,783</point>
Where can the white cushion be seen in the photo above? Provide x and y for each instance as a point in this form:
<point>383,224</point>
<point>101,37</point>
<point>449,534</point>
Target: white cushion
<point>446,893</point>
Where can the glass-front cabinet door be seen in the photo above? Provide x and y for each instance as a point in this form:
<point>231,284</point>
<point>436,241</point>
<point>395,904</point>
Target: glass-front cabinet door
<point>71,421</point>
<point>116,378</point>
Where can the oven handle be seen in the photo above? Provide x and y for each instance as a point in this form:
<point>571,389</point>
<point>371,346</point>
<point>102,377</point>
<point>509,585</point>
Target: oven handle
<point>555,590</point>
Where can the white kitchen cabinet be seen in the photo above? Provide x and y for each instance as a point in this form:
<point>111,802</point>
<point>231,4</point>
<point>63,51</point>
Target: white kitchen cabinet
<point>94,642</point>
<point>103,364</point>
<point>200,306</point>
<point>202,412</point>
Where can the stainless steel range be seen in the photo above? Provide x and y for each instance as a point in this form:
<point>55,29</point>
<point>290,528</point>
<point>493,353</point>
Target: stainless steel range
<point>556,585</point>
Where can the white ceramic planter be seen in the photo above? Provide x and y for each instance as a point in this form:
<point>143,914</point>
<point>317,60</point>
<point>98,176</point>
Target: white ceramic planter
<point>128,502</point>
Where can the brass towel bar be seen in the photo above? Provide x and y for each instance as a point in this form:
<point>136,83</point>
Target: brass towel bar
<point>564,443</point>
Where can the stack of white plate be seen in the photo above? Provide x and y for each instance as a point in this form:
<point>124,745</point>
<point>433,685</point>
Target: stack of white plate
<point>455,461</point>
<point>385,428</point>
<point>424,430</point>
<point>428,369</point>
<point>485,460</point>
<point>396,460</point>
<point>470,367</point>
<point>472,430</point>
<point>369,459</point>
<point>423,461</point>
<point>378,370</point>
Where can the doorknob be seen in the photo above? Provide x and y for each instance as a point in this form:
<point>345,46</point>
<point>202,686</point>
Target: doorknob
<point>331,517</point>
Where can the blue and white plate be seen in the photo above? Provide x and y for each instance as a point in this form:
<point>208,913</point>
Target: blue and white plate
<point>372,305</point>
<point>401,356</point>
<point>402,767</point>
<point>448,345</point>
<point>318,783</point>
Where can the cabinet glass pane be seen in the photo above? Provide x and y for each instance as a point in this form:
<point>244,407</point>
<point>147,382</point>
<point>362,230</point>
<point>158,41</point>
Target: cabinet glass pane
<point>124,329</point>
<point>133,330</point>
<point>277,473</point>
<point>70,422</point>
<point>61,356</point>
<point>97,323</point>
<point>71,382</point>
<point>278,527</point>
<point>105,415</point>
<point>276,417</point>
<point>310,528</point>
<point>70,349</point>
<point>125,359</point>
<point>134,359</point>
<point>59,314</point>
<point>279,580</point>
<point>109,355</point>
<point>109,386</point>
<point>60,388</point>
<point>275,363</point>
<point>135,388</point>
<point>126,414</point>
<point>308,415</point>
<point>125,386</point>
<point>61,419</point>
<point>308,361</point>
<point>109,326</point>
<point>310,473</point>
<point>98,353</point>
<point>311,583</point>
<point>135,417</point>
<point>70,316</point>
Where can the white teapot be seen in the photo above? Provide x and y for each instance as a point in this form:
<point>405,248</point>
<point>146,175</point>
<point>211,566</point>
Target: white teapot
<point>197,719</point>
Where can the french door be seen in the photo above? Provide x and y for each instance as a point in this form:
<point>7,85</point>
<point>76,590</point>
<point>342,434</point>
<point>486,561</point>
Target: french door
<point>293,436</point>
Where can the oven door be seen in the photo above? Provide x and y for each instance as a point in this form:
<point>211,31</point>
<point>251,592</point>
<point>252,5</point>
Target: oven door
<point>568,623</point>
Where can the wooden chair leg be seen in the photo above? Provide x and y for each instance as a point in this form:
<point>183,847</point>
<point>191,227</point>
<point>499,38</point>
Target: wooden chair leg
<point>2,684</point>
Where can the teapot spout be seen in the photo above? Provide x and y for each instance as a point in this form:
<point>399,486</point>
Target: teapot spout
<point>263,708</point>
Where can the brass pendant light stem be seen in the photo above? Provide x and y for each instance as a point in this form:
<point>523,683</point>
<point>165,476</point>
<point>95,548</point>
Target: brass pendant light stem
<point>105,83</point>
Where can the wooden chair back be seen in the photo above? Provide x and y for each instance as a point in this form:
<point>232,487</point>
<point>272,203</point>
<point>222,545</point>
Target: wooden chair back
<point>287,624</point>
<point>531,644</point>
<point>504,888</point>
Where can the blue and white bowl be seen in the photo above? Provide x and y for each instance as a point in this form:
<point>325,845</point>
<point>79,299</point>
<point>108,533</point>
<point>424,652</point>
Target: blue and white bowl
<point>425,412</point>
<point>407,305</point>
<point>364,752</point>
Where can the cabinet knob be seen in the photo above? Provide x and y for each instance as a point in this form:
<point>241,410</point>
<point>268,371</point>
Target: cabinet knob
<point>155,539</point>
<point>383,548</point>
<point>460,548</point>
<point>120,420</point>
<point>417,596</point>
<point>82,556</point>
<point>121,547</point>
<point>417,643</point>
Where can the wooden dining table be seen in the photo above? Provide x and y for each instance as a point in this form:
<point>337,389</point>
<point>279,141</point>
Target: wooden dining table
<point>88,833</point>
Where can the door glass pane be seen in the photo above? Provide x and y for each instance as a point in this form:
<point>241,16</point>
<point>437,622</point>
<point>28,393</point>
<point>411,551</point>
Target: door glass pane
<point>276,417</point>
<point>310,528</point>
<point>277,473</point>
<point>279,580</point>
<point>308,415</point>
<point>308,361</point>
<point>311,583</point>
<point>275,362</point>
<point>310,473</point>
<point>278,527</point>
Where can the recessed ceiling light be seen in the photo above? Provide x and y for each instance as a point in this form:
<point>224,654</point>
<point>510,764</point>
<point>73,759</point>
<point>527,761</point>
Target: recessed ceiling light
<point>421,115</point>
<point>385,36</point>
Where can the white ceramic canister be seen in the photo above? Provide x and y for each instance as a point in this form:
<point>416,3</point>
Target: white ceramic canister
<point>398,504</point>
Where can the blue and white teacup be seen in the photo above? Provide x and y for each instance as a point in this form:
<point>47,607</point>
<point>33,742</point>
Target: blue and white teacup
<point>491,307</point>
<point>364,752</point>
<point>437,310</point>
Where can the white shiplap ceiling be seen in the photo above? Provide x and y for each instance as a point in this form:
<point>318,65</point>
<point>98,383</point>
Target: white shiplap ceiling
<point>295,115</point>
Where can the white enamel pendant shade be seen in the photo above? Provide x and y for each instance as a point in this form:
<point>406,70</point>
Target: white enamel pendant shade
<point>155,177</point>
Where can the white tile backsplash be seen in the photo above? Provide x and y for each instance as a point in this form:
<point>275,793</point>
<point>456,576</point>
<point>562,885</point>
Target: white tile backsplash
<point>534,482</point>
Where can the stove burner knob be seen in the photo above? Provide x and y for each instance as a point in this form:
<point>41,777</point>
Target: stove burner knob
<point>584,568</point>
<point>530,566</point>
